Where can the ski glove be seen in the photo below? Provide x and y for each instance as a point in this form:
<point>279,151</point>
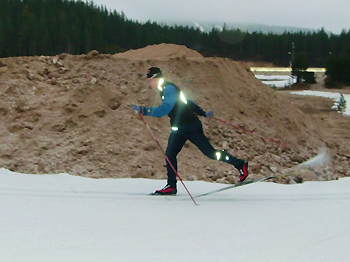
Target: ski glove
<point>139,109</point>
<point>209,114</point>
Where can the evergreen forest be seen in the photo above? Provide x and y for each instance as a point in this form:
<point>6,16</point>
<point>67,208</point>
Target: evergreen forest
<point>51,27</point>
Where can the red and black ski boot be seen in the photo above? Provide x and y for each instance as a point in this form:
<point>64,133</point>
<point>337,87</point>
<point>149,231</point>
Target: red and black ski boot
<point>243,171</point>
<point>167,190</point>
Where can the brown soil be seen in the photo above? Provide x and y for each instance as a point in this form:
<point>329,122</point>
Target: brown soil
<point>71,114</point>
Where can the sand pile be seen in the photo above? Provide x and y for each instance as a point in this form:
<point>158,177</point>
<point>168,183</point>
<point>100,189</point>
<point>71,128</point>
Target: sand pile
<point>71,114</point>
<point>162,51</point>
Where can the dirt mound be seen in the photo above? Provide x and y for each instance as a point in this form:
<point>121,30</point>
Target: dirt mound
<point>161,51</point>
<point>71,114</point>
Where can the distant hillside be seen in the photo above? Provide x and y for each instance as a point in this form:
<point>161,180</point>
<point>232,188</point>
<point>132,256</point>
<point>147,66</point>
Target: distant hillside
<point>248,27</point>
<point>41,27</point>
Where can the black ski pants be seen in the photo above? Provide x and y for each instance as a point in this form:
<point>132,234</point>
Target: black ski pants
<point>194,133</point>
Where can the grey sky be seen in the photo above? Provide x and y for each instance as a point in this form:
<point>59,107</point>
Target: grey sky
<point>315,14</point>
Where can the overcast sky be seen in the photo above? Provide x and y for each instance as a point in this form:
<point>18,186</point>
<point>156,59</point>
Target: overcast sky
<point>314,14</point>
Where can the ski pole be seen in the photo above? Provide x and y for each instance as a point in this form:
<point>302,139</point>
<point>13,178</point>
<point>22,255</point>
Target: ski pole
<point>252,132</point>
<point>166,157</point>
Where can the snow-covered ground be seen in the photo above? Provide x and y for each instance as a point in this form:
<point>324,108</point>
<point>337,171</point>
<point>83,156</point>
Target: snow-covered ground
<point>277,81</point>
<point>66,218</point>
<point>282,81</point>
<point>334,96</point>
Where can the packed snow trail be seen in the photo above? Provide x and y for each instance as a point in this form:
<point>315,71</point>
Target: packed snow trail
<point>68,218</point>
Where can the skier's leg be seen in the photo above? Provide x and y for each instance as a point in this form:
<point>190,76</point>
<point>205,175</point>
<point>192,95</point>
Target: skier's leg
<point>175,144</point>
<point>201,141</point>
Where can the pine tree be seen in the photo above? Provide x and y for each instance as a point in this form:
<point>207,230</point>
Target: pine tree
<point>341,107</point>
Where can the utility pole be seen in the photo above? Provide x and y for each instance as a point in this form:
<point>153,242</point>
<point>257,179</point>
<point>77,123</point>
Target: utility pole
<point>291,61</point>
<point>292,55</point>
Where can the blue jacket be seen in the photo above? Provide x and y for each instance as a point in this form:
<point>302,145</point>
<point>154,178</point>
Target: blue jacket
<point>181,110</point>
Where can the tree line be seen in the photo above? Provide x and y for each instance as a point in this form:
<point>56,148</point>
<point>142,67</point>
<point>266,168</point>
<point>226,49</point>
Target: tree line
<point>50,27</point>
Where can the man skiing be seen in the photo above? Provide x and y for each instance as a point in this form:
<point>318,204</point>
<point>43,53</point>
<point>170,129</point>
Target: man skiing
<point>185,125</point>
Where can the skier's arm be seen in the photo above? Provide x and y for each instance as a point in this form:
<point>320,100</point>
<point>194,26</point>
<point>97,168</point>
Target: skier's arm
<point>166,106</point>
<point>196,108</point>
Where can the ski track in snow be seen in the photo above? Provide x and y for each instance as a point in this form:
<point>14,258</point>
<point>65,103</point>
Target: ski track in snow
<point>68,218</point>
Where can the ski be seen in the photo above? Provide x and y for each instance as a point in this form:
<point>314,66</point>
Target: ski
<point>245,183</point>
<point>318,160</point>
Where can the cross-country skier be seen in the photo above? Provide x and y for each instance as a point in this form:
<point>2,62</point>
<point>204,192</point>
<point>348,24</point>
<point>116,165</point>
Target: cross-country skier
<point>185,125</point>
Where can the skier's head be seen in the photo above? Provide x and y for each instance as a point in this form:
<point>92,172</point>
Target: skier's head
<point>154,72</point>
<point>153,76</point>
